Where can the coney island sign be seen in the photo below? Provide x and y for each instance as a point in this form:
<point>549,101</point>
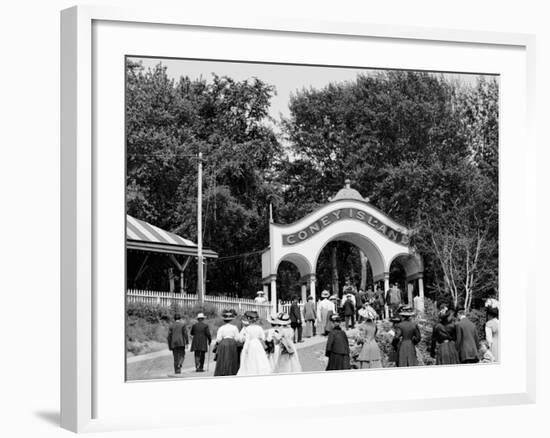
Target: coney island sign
<point>341,214</point>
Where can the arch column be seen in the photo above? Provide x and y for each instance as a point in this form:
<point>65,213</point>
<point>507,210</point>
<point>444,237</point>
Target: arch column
<point>273,295</point>
<point>312,292</point>
<point>421,293</point>
<point>304,292</point>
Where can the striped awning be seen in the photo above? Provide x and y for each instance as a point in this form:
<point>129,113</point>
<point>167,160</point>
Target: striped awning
<point>143,236</point>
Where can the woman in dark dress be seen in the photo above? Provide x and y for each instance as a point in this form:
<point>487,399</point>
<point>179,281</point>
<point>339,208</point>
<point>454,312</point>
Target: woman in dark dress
<point>227,352</point>
<point>337,349</point>
<point>443,346</point>
<point>408,334</point>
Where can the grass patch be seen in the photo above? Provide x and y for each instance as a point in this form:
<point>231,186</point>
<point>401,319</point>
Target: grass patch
<point>147,325</point>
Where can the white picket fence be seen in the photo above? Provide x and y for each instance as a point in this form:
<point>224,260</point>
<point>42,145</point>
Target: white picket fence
<point>221,303</point>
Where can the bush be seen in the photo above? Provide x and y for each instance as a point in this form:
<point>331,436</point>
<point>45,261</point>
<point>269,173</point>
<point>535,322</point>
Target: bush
<point>147,324</point>
<point>479,318</point>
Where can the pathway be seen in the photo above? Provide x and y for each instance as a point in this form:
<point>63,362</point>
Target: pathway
<point>159,365</point>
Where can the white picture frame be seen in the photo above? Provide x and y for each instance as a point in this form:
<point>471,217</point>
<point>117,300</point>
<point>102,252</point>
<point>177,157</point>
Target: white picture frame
<point>84,369</point>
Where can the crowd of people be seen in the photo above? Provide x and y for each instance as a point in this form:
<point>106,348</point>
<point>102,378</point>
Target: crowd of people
<point>243,347</point>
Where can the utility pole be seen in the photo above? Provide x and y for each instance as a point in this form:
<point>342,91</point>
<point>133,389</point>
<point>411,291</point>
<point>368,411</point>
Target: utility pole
<point>200,268</point>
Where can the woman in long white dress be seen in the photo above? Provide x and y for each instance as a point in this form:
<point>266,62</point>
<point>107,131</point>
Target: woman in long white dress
<point>254,360</point>
<point>287,360</point>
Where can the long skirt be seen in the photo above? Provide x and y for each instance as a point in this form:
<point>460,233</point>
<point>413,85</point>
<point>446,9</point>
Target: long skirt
<point>447,354</point>
<point>406,356</point>
<point>324,320</point>
<point>370,355</point>
<point>227,358</point>
<point>272,357</point>
<point>254,361</point>
<point>338,362</point>
<point>308,329</point>
<point>288,363</point>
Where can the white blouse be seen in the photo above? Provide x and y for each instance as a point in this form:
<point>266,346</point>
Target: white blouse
<point>227,331</point>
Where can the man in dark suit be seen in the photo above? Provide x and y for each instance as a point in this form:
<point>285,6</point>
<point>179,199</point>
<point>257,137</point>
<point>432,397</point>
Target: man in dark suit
<point>201,341</point>
<point>296,319</point>
<point>349,311</point>
<point>466,339</point>
<point>177,341</point>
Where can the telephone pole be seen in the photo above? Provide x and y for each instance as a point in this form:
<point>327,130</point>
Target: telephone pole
<point>200,263</point>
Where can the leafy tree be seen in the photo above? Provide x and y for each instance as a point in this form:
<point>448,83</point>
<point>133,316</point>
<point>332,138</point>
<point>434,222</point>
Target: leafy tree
<point>418,145</point>
<point>168,123</point>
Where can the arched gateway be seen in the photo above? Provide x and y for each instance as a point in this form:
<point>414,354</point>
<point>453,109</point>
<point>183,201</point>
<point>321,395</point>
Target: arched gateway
<point>348,217</point>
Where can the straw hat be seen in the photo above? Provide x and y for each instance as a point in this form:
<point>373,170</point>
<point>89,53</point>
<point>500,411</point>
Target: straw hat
<point>251,315</point>
<point>407,311</point>
<point>201,316</point>
<point>227,315</point>
<point>283,318</point>
<point>325,294</point>
<point>260,292</point>
<point>335,318</point>
<point>273,319</point>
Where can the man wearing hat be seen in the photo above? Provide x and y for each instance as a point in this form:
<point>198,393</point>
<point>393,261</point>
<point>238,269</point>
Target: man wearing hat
<point>337,349</point>
<point>177,341</point>
<point>348,307</point>
<point>201,341</point>
<point>393,299</point>
<point>296,319</point>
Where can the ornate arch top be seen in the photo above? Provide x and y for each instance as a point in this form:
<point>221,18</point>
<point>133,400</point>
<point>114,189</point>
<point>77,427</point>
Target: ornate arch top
<point>347,216</point>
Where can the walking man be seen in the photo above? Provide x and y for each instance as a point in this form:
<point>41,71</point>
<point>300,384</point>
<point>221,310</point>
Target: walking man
<point>201,341</point>
<point>177,341</point>
<point>296,319</point>
<point>466,339</point>
<point>349,311</point>
<point>394,299</point>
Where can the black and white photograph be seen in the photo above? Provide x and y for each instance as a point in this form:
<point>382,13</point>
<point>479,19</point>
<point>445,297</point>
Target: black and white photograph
<point>286,218</point>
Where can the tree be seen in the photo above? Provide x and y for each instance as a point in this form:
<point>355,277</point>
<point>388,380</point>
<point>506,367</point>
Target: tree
<point>168,123</point>
<point>420,146</point>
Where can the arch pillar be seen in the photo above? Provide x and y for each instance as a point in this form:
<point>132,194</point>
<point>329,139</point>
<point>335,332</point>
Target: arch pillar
<point>273,295</point>
<point>270,284</point>
<point>312,282</point>
<point>304,292</point>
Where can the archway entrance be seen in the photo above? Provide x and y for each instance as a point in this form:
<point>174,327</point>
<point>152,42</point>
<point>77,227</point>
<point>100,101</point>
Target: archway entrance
<point>348,217</point>
<point>340,260</point>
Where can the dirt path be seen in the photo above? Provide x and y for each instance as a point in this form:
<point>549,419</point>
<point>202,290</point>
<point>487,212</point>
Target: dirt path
<point>159,365</point>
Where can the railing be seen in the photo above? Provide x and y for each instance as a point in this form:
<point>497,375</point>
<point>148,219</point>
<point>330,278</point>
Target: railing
<point>221,303</point>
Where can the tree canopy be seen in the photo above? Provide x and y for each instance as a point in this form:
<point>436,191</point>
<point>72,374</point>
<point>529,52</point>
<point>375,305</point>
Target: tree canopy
<point>422,147</point>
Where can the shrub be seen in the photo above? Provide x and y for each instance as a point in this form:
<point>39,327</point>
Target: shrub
<point>479,318</point>
<point>147,324</point>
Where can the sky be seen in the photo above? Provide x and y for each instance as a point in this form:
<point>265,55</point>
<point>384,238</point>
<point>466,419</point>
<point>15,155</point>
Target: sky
<point>286,78</point>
